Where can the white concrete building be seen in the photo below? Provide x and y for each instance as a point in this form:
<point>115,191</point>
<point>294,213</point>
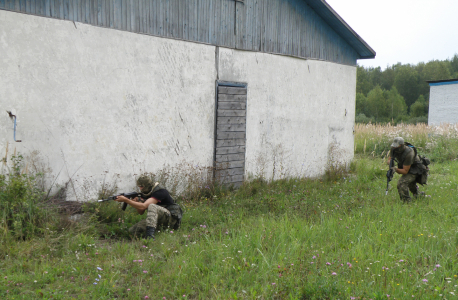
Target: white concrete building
<point>443,102</point>
<point>101,95</point>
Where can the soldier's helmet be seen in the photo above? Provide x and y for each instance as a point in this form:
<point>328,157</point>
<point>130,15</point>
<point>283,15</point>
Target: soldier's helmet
<point>398,141</point>
<point>146,183</point>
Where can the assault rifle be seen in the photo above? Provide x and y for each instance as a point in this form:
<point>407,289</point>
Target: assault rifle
<point>131,195</point>
<point>389,175</point>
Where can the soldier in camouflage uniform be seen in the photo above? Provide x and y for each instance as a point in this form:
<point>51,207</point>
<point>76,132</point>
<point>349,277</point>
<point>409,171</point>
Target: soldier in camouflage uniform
<point>162,209</point>
<point>407,167</point>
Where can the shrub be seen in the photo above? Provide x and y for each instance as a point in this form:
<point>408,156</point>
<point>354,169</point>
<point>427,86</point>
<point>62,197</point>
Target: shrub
<point>22,202</point>
<point>361,118</point>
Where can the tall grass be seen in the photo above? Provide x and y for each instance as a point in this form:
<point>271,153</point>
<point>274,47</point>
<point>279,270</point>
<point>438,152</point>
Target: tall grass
<point>440,143</point>
<point>340,238</point>
<point>22,210</point>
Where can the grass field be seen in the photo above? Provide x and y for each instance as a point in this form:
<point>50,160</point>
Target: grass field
<point>336,238</point>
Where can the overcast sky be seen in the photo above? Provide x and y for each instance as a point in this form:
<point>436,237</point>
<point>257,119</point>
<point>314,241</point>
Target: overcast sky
<point>405,31</point>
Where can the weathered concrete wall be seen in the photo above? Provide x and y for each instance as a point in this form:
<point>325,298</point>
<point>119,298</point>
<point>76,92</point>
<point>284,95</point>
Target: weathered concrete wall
<point>99,102</point>
<point>443,104</point>
<point>300,113</point>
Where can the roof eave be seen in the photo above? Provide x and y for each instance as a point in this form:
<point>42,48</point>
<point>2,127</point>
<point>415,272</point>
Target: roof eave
<point>330,16</point>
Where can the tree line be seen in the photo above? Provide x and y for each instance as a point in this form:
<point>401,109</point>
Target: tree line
<point>399,93</point>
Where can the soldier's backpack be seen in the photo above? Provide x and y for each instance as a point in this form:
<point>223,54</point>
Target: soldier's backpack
<point>422,165</point>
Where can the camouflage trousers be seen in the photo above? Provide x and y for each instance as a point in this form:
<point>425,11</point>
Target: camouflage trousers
<point>157,216</point>
<point>407,182</point>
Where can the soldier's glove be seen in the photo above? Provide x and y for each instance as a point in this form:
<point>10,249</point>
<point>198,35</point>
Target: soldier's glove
<point>394,169</point>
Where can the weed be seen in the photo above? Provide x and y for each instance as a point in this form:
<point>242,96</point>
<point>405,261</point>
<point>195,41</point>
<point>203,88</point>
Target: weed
<point>21,201</point>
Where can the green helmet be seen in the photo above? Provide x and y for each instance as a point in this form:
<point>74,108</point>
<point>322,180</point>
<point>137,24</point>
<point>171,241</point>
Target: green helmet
<point>145,182</point>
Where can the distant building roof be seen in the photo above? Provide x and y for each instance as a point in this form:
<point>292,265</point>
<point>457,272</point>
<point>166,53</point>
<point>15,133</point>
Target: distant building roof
<point>442,82</point>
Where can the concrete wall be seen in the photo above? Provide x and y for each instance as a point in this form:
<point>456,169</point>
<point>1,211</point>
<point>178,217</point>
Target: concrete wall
<point>443,103</point>
<point>100,104</point>
<point>300,113</point>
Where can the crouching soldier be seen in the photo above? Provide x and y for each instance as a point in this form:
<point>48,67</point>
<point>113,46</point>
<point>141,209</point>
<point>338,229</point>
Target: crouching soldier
<point>162,209</point>
<point>409,166</point>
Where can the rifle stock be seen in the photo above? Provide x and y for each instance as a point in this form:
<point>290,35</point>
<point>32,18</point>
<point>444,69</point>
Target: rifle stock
<point>389,175</point>
<point>131,195</point>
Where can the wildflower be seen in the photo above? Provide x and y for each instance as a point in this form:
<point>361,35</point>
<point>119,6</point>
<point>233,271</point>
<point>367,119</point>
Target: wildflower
<point>144,246</point>
<point>313,257</point>
<point>145,271</point>
<point>328,263</point>
<point>97,274</point>
<point>273,283</point>
<point>35,281</point>
<point>135,260</point>
<point>100,269</point>
<point>333,273</point>
<point>95,282</point>
<point>425,280</point>
<point>171,231</point>
<point>146,297</point>
<point>438,266</point>
<point>401,260</point>
<point>128,289</point>
<point>388,296</point>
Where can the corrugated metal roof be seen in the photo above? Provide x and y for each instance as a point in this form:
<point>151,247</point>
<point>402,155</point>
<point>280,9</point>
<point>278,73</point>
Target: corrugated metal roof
<point>330,16</point>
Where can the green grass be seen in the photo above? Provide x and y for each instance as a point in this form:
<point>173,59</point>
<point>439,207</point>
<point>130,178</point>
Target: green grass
<point>290,239</point>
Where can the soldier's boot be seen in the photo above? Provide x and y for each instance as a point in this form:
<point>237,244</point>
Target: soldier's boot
<point>150,232</point>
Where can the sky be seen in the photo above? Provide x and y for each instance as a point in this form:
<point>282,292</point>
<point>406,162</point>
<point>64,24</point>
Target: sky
<point>405,31</point>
